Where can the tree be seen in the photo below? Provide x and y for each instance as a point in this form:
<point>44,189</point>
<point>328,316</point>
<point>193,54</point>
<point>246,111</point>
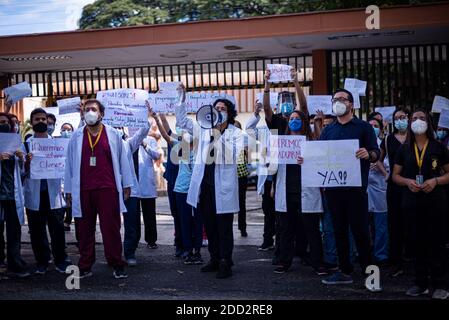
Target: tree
<point>117,13</point>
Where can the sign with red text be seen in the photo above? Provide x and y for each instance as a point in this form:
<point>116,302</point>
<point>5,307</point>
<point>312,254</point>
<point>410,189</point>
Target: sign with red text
<point>285,149</point>
<point>48,158</point>
<point>279,72</point>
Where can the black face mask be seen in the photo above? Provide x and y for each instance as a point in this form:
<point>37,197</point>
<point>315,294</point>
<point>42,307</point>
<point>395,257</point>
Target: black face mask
<point>5,128</point>
<point>40,127</point>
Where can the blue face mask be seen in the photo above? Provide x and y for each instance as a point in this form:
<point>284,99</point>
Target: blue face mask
<point>66,134</point>
<point>295,124</point>
<point>286,108</point>
<point>401,125</point>
<point>441,134</point>
<point>376,131</point>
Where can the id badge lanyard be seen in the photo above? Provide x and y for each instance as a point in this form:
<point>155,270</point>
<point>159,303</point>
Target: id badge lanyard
<point>93,159</point>
<point>419,162</point>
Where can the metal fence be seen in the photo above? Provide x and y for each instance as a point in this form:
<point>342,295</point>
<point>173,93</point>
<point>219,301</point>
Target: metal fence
<point>405,76</point>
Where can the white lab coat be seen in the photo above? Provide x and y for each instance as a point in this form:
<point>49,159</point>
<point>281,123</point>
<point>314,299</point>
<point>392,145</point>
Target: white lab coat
<point>32,189</point>
<point>120,164</point>
<point>262,169</point>
<point>147,176</point>
<point>131,145</point>
<point>18,192</point>
<point>226,180</point>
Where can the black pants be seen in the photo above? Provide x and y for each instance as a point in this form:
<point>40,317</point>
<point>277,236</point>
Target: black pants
<point>175,214</point>
<point>288,229</point>
<point>349,208</point>
<point>38,221</point>
<point>13,235</point>
<point>243,185</point>
<point>311,222</point>
<point>269,214</point>
<point>425,236</point>
<point>396,224</point>
<point>149,219</point>
<point>218,227</point>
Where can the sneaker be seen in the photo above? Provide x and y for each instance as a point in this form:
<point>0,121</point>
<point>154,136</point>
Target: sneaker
<point>224,270</point>
<point>189,259</point>
<point>62,267</point>
<point>440,294</point>
<point>20,274</point>
<point>244,233</point>
<point>85,274</point>
<point>265,247</point>
<point>131,262</point>
<point>396,272</point>
<point>205,243</point>
<point>119,273</point>
<point>416,291</point>
<point>41,270</point>
<point>211,266</point>
<point>321,271</point>
<point>338,278</point>
<point>152,246</point>
<point>281,269</point>
<point>197,258</point>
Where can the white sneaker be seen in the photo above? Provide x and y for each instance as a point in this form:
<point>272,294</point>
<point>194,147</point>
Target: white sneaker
<point>440,294</point>
<point>205,243</point>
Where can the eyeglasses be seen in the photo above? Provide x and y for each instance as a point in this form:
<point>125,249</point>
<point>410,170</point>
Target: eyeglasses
<point>340,99</point>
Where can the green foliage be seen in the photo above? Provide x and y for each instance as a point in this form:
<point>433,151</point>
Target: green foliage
<point>117,13</point>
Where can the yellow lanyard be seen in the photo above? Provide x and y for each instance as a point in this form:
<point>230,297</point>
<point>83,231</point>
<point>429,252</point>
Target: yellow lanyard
<point>92,146</point>
<point>419,159</point>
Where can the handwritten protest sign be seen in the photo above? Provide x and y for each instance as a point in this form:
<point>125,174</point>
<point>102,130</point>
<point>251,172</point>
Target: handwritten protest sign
<point>285,149</point>
<point>386,112</point>
<point>279,72</point>
<point>443,122</point>
<point>73,118</point>
<point>440,103</point>
<point>323,103</point>
<point>18,92</point>
<point>161,102</point>
<point>48,158</point>
<point>273,98</point>
<point>10,142</point>
<point>330,164</point>
<point>70,105</point>
<point>169,87</point>
<point>165,103</point>
<point>124,107</point>
<point>356,85</point>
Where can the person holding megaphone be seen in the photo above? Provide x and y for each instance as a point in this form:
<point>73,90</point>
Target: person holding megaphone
<point>213,188</point>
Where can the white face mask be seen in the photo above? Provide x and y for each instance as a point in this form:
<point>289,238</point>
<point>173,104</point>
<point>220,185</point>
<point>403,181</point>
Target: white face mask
<point>224,116</point>
<point>419,126</point>
<point>91,118</point>
<point>339,108</point>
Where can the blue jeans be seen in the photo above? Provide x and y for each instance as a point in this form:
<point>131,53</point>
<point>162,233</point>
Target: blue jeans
<point>191,224</point>
<point>379,226</point>
<point>132,224</point>
<point>329,246</point>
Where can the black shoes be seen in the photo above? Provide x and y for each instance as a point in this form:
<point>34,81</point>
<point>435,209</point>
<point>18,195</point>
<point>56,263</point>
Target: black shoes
<point>211,266</point>
<point>224,270</point>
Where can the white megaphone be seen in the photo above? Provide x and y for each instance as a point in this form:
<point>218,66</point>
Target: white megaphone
<point>208,117</point>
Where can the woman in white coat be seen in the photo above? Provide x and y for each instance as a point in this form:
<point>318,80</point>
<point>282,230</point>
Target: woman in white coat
<point>11,204</point>
<point>213,187</point>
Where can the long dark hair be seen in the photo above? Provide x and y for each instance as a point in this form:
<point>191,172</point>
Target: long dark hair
<point>407,113</point>
<point>305,129</point>
<point>430,132</point>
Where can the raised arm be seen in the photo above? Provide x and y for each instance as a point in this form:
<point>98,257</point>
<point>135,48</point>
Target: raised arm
<point>159,124</point>
<point>165,123</point>
<point>251,124</point>
<point>300,93</point>
<point>266,98</point>
<point>182,121</point>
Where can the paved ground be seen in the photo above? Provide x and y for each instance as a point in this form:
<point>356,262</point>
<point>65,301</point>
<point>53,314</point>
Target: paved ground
<point>160,275</point>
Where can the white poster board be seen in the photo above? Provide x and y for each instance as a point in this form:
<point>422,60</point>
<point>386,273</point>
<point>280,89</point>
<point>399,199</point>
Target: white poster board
<point>443,122</point>
<point>285,149</point>
<point>440,103</point>
<point>124,107</point>
<point>386,112</point>
<point>169,87</point>
<point>70,105</point>
<point>319,102</point>
<point>279,72</point>
<point>73,118</point>
<point>331,164</point>
<point>18,91</point>
<point>356,85</point>
<point>10,142</point>
<point>48,158</point>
